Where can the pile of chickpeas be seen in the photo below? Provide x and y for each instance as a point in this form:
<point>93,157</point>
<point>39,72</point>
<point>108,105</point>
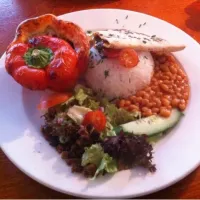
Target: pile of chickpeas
<point>169,88</point>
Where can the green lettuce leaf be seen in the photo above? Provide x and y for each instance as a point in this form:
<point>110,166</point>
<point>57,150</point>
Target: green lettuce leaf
<point>92,104</point>
<point>116,115</point>
<point>109,130</point>
<point>92,155</point>
<point>107,164</point>
<point>80,96</point>
<point>85,97</point>
<point>86,90</point>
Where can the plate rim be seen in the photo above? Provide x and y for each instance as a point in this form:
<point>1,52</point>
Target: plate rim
<point>81,194</point>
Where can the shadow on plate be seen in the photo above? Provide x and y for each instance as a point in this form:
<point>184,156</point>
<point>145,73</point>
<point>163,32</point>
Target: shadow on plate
<point>193,10</point>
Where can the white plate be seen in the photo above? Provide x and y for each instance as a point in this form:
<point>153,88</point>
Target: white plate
<point>175,156</point>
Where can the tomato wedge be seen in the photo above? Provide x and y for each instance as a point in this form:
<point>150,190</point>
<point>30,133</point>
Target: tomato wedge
<point>52,100</point>
<point>96,118</point>
<point>128,58</point>
<point>111,53</point>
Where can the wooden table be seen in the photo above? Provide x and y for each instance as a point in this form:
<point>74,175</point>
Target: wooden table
<point>184,14</point>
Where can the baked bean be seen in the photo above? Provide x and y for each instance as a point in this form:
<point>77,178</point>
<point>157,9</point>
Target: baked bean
<point>164,87</point>
<point>178,90</point>
<point>179,78</point>
<point>164,68</point>
<point>147,113</point>
<point>167,82</point>
<point>169,107</point>
<point>145,109</point>
<point>182,106</point>
<point>133,99</point>
<point>185,95</point>
<point>175,102</point>
<point>145,102</point>
<point>179,95</point>
<point>133,107</point>
<point>155,110</point>
<point>127,103</point>
<point>139,99</point>
<point>165,102</point>
<point>172,69</point>
<point>150,104</point>
<point>148,89</point>
<point>140,93</point>
<point>169,97</point>
<point>159,94</point>
<point>168,74</point>
<point>157,101</point>
<point>122,103</point>
<point>152,93</point>
<point>182,101</point>
<point>164,112</point>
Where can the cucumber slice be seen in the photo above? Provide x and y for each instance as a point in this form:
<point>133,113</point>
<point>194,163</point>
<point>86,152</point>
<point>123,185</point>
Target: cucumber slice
<point>152,125</point>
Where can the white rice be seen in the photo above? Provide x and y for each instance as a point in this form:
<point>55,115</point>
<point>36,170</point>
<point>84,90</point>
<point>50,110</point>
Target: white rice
<point>113,80</point>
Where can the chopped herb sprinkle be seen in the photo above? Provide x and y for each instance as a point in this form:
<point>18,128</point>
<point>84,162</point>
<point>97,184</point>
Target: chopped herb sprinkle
<point>106,73</point>
<point>144,23</point>
<point>145,57</point>
<point>153,36</point>
<point>117,21</point>
<point>89,31</point>
<point>144,41</point>
<point>126,16</point>
<point>140,25</point>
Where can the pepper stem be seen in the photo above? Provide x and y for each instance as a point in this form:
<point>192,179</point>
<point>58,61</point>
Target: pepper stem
<point>38,57</point>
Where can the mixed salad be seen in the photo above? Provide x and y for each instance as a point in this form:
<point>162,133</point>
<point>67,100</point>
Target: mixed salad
<point>94,136</point>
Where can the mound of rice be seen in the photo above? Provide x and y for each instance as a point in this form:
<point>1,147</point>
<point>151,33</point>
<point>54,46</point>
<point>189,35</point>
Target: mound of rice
<point>108,77</point>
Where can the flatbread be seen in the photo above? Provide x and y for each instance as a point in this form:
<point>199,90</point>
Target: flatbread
<point>122,38</point>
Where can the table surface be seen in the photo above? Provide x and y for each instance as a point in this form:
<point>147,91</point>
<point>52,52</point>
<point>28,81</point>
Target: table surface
<point>184,14</point>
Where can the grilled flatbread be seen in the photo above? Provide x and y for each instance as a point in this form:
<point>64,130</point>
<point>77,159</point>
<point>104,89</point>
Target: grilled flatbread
<point>122,38</point>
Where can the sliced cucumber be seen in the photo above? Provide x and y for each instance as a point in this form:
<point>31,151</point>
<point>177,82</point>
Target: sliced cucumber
<point>153,124</point>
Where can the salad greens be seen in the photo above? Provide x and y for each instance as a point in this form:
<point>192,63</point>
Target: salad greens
<point>95,155</point>
<point>116,115</point>
<point>107,164</point>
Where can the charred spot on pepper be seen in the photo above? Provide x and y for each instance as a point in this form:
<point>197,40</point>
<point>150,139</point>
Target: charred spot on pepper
<point>52,75</point>
<point>34,41</point>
